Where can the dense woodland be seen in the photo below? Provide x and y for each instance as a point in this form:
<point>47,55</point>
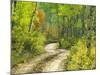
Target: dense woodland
<point>35,24</point>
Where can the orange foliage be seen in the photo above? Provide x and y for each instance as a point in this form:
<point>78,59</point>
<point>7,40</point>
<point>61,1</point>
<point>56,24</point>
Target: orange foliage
<point>39,19</point>
<point>41,16</point>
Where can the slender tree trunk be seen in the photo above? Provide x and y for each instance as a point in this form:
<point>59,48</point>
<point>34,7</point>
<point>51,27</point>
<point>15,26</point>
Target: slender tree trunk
<point>30,27</point>
<point>82,20</point>
<point>66,23</point>
<point>50,22</point>
<point>13,3</point>
<point>73,24</point>
<point>83,25</point>
<point>63,29</point>
<point>89,30</point>
<point>58,23</point>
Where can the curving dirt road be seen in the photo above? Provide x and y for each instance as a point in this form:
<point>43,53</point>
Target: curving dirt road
<point>52,60</point>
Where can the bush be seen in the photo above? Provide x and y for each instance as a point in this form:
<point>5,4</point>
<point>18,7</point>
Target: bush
<point>79,59</point>
<point>26,44</point>
<point>34,42</point>
<point>67,42</point>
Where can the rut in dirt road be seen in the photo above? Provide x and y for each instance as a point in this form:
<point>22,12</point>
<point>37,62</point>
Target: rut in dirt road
<point>52,60</point>
<point>56,64</point>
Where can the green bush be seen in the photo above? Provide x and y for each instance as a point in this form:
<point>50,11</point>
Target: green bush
<point>26,44</point>
<point>67,42</point>
<point>34,42</point>
<point>79,59</point>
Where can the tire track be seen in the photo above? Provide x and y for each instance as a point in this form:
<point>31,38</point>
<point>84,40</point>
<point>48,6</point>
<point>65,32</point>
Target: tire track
<point>39,67</point>
<point>29,66</point>
<point>51,64</point>
<point>56,64</point>
<point>52,60</point>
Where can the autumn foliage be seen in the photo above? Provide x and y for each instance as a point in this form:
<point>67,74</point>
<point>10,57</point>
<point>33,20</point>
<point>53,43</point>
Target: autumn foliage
<point>41,16</point>
<point>39,19</point>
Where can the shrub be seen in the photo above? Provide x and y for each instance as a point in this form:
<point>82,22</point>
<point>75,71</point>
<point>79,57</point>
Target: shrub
<point>67,42</point>
<point>79,60</point>
<point>26,44</point>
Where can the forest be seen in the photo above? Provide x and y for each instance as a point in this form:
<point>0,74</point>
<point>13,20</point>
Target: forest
<point>36,24</point>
